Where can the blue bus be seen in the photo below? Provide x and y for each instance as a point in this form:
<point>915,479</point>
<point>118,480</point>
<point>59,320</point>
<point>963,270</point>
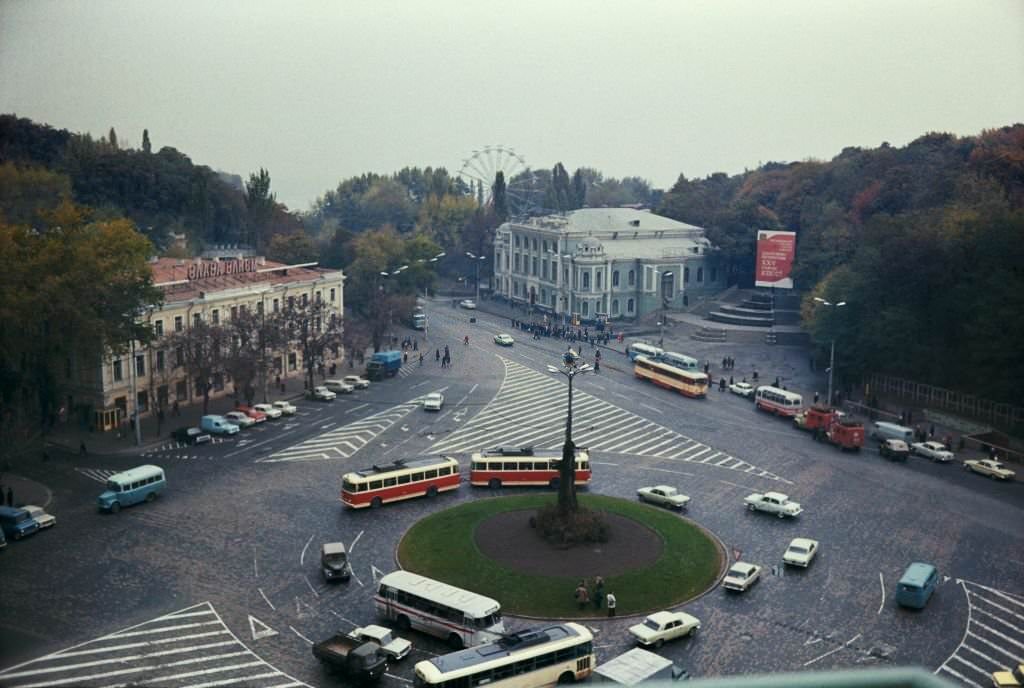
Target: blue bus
<point>140,484</point>
<point>681,361</point>
<point>640,349</point>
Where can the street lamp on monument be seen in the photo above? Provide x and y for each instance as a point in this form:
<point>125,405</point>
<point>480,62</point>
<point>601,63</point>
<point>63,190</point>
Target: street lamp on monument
<point>567,469</point>
<point>476,263</point>
<point>832,348</point>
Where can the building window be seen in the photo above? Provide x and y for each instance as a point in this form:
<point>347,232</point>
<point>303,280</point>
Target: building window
<point>543,295</point>
<point>615,278</point>
<point>234,312</point>
<point>196,319</point>
<point>118,373</point>
<point>215,317</point>
<point>630,306</point>
<point>714,274</point>
<point>545,245</point>
<point>544,269</point>
<point>292,364</point>
<point>506,262</point>
<point>686,275</point>
<point>181,391</point>
<point>565,277</point>
<point>615,306</point>
<point>632,278</point>
<point>586,280</point>
<point>291,303</point>
<point>700,274</point>
<point>552,299</point>
<point>158,328</point>
<point>515,288</point>
<point>177,324</point>
<point>586,309</point>
<point>160,360</point>
<point>533,271</point>
<point>332,294</point>
<point>140,365</point>
<point>668,285</point>
<point>142,399</point>
<point>600,279</point>
<point>259,307</point>
<point>516,239</point>
<point>515,264</point>
<point>275,306</point>
<point>534,243</point>
<point>319,296</point>
<point>305,299</point>
<point>179,356</point>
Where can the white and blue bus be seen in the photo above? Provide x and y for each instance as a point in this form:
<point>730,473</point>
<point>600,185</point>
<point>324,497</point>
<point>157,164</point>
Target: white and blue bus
<point>536,658</point>
<point>640,349</point>
<point>139,484</point>
<point>681,361</point>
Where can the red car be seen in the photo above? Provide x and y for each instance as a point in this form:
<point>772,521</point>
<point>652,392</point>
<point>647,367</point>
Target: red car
<point>257,416</point>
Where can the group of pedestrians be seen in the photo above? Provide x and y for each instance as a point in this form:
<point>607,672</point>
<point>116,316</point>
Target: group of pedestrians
<point>445,360</point>
<point>595,595</point>
<point>565,333</point>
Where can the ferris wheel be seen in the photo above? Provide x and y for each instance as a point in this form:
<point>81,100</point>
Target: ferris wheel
<point>522,190</point>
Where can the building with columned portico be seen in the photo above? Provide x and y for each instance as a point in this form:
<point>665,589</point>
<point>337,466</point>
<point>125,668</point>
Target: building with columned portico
<point>605,263</point>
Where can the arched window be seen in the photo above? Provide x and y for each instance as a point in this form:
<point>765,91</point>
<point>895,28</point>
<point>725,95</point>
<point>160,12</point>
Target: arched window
<point>586,280</point>
<point>615,306</point>
<point>686,275</point>
<point>629,306</point>
<point>586,308</point>
<point>700,274</point>
<point>615,278</point>
<point>632,278</point>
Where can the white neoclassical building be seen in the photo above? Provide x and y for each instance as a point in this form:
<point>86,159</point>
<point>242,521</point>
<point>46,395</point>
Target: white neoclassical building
<point>604,263</point>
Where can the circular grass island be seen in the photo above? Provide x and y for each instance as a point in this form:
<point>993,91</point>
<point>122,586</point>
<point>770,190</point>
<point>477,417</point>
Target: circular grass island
<point>653,559</point>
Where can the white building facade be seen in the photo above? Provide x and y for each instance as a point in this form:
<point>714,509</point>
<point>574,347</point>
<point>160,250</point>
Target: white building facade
<point>604,264</point>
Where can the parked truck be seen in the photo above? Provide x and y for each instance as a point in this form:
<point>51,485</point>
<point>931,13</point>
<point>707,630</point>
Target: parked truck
<point>638,666</point>
<point>357,660</point>
<point>384,364</point>
<point>827,425</point>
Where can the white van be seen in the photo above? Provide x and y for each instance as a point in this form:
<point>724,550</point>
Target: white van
<point>339,386</point>
<point>882,431</point>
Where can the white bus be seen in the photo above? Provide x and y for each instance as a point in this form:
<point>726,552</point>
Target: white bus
<point>536,658</point>
<point>461,617</point>
<point>681,361</point>
<point>640,349</point>
<point>778,401</point>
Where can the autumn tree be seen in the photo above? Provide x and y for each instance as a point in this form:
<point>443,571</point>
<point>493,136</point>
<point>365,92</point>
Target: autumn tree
<point>201,348</point>
<point>315,327</point>
<point>292,249</point>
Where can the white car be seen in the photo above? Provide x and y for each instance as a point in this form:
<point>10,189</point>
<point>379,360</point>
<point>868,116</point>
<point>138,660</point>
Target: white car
<point>285,407</point>
<point>774,503</point>
<point>339,387</point>
<point>744,389</point>
<point>662,626</point>
<point>504,340</point>
<point>356,381</point>
<point>240,419</point>
<point>44,519</point>
<point>269,410</point>
<point>741,576</point>
<point>321,393</point>
<point>468,304</point>
<point>989,467</point>
<point>936,451</point>
<point>800,552</point>
<point>433,401</point>
<point>394,647</point>
<point>663,495</point>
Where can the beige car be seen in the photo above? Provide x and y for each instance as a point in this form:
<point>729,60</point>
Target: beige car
<point>801,552</point>
<point>989,467</point>
<point>1010,678</point>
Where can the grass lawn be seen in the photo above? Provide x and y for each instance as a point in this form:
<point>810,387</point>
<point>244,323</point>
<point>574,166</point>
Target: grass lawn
<point>442,546</point>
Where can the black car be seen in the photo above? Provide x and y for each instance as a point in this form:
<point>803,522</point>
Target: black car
<point>191,436</point>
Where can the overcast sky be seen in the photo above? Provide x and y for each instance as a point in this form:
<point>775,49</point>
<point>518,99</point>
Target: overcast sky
<point>319,91</point>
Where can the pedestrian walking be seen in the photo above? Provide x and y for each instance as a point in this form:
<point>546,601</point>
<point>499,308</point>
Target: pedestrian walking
<point>405,357</point>
<point>81,448</point>
<point>421,358</point>
<point>815,397</point>
<point>598,596</point>
<point>610,601</point>
<point>416,345</point>
<point>582,596</point>
<point>176,412</point>
<point>437,354</point>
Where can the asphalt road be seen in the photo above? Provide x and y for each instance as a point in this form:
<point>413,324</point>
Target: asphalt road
<point>217,582</point>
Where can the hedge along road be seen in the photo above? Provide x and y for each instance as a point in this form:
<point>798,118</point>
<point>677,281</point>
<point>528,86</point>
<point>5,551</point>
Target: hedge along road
<point>443,546</point>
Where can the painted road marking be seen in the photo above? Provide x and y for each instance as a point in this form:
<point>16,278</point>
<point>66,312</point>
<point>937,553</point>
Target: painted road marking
<point>993,639</point>
<point>162,655</point>
<point>530,408</point>
<point>100,475</point>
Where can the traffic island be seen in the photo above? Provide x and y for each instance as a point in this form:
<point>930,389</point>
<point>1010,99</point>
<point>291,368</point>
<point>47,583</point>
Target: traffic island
<point>653,559</point>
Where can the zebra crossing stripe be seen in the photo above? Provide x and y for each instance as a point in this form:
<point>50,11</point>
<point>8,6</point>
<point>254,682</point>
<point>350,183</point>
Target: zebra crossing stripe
<point>993,638</point>
<point>528,410</point>
<point>100,475</point>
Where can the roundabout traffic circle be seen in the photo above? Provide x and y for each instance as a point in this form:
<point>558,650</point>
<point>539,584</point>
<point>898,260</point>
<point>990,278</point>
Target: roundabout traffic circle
<point>653,559</point>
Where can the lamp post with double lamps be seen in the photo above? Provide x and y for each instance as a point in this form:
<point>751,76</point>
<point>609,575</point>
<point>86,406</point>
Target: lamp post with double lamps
<point>386,274</point>
<point>832,348</point>
<point>476,264</point>
<point>567,469</point>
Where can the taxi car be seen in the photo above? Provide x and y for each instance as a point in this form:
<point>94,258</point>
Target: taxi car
<point>741,576</point>
<point>990,467</point>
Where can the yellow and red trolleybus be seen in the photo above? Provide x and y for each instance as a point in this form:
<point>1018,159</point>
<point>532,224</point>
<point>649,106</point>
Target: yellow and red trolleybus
<point>404,479</point>
<point>505,466</point>
<point>687,382</point>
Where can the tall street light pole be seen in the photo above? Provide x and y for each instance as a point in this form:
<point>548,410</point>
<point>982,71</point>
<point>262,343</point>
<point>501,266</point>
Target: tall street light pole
<point>832,348</point>
<point>567,469</point>
<point>476,263</point>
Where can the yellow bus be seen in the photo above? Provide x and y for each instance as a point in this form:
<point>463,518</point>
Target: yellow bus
<point>688,382</point>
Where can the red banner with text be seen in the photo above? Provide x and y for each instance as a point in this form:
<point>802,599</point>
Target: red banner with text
<point>775,254</point>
